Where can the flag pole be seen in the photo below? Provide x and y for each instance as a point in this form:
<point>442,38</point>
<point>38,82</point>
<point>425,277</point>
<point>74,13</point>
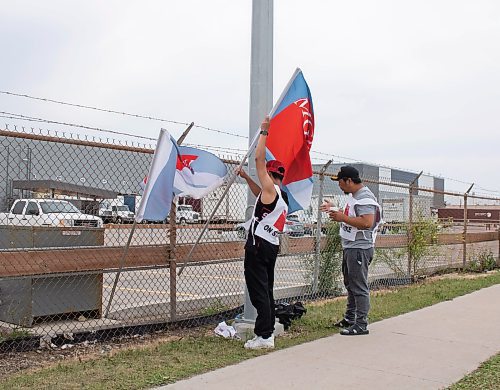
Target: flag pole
<point>229,184</point>
<point>233,178</point>
<point>127,246</point>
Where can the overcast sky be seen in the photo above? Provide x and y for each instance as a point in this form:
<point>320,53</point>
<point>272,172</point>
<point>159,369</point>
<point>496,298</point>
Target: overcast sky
<point>410,84</point>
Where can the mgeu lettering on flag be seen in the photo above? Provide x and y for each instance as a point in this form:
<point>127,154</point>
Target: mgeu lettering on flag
<point>290,139</point>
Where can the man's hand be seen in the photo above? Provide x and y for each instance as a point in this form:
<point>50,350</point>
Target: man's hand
<point>337,216</point>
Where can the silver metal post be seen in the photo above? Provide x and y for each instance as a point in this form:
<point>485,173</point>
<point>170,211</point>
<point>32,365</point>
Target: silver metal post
<point>464,258</point>
<point>172,253</point>
<point>410,222</point>
<point>261,92</point>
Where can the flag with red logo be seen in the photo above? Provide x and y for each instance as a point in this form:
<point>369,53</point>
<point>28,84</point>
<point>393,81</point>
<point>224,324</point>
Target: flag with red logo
<point>198,172</point>
<point>290,140</point>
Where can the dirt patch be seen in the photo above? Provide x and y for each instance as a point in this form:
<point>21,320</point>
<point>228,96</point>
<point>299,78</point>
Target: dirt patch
<point>463,276</point>
<point>324,302</point>
<point>13,362</point>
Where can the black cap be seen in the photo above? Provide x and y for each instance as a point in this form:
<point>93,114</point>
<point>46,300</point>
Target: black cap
<point>347,172</point>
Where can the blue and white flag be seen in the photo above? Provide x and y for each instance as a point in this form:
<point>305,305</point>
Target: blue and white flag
<point>198,173</point>
<point>159,187</point>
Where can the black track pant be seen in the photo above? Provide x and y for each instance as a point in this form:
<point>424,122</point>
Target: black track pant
<point>260,260</point>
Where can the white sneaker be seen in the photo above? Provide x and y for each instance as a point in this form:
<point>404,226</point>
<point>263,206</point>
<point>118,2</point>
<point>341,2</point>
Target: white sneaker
<point>259,343</point>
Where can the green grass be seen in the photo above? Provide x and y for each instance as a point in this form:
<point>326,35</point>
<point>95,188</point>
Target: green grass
<point>486,377</point>
<point>175,360</point>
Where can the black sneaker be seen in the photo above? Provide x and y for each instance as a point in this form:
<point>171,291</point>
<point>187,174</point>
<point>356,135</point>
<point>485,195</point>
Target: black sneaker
<point>354,330</point>
<point>343,323</point>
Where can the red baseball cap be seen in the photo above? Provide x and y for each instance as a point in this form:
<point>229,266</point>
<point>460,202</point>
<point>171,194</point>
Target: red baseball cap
<point>276,167</point>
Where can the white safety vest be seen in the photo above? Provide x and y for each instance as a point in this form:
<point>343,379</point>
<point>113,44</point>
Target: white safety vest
<point>271,224</point>
<point>348,232</point>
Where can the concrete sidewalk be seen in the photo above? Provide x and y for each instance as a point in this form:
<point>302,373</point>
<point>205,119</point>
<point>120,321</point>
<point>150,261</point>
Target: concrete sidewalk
<point>426,349</point>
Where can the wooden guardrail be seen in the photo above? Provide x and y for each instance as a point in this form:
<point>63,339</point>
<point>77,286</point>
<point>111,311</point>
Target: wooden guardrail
<point>47,261</point>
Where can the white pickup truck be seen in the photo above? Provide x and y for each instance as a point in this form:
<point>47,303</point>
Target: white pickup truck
<point>47,212</point>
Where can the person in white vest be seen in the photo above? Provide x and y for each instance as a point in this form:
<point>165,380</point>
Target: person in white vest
<point>261,249</point>
<point>359,222</point>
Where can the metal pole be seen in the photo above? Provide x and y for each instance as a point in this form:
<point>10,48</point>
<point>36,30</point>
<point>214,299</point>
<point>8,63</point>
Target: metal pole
<point>498,258</point>
<point>7,174</point>
<point>183,136</point>
<point>410,223</point>
<point>318,227</point>
<point>464,259</point>
<point>172,255</point>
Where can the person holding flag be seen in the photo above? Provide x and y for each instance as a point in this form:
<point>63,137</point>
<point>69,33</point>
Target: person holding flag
<point>262,246</point>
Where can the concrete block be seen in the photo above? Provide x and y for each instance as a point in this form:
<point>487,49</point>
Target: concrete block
<point>244,329</point>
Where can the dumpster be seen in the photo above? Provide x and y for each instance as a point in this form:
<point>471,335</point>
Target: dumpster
<point>26,299</point>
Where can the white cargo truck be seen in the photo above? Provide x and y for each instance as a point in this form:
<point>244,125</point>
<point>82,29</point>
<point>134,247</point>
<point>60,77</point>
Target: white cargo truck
<point>115,211</point>
<point>186,214</point>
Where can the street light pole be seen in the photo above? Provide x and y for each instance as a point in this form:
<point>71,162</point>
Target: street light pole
<point>261,93</point>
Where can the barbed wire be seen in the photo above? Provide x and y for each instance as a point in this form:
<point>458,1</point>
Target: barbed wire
<point>487,190</point>
<point>236,151</point>
<point>10,115</point>
<point>74,136</point>
<point>37,120</point>
<point>119,113</point>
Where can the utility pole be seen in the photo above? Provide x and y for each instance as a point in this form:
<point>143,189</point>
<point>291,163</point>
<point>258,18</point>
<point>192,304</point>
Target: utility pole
<point>261,93</point>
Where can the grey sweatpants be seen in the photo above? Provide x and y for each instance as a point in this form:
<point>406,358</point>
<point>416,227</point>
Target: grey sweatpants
<point>355,264</point>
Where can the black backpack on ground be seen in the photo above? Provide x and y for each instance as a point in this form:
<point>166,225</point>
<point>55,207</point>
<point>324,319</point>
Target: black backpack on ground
<point>286,312</point>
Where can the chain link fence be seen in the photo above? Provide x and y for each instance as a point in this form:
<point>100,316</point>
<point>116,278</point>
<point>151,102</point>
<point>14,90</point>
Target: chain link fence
<point>66,212</point>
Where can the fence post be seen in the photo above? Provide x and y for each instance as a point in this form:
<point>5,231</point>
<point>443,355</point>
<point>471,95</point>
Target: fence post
<point>172,263</point>
<point>172,258</point>
<point>409,231</point>
<point>498,257</point>
<point>317,241</point>
<point>464,237</point>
